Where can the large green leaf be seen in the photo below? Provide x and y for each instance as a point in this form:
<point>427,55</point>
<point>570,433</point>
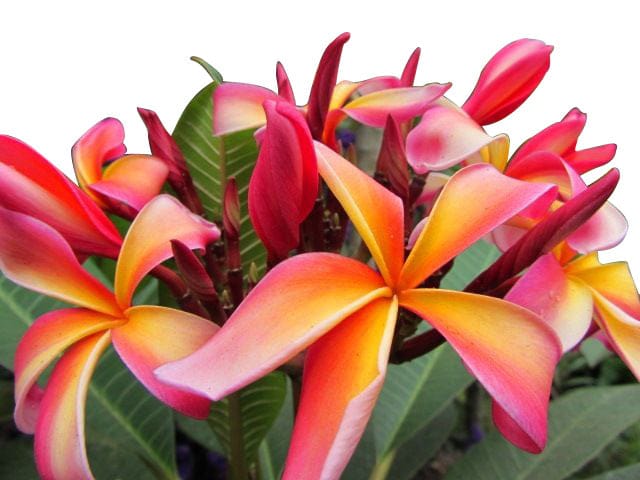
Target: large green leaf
<point>124,421</point>
<point>631,472</point>
<point>212,160</point>
<point>260,404</point>
<point>469,264</point>
<point>581,424</point>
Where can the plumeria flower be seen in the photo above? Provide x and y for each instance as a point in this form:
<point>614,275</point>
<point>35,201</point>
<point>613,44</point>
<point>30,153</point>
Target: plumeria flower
<point>572,296</point>
<point>238,106</point>
<point>345,314</point>
<point>29,184</point>
<point>36,256</point>
<point>129,179</point>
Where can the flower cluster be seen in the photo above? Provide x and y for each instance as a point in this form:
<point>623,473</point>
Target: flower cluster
<point>439,183</point>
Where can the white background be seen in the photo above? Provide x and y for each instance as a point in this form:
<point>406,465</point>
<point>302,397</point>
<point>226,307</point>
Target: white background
<point>66,65</point>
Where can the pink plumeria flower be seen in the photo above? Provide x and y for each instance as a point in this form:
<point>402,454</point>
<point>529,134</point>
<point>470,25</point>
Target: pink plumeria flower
<point>36,256</point>
<point>345,314</point>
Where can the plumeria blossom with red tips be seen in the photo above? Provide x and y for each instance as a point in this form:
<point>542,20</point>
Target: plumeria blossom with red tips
<point>36,256</point>
<point>289,273</point>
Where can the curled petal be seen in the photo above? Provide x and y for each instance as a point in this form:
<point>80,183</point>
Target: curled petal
<point>284,183</point>
<point>154,336</point>
<point>296,303</point>
<point>47,338</point>
<point>343,375</point>
<point>564,304</point>
<point>507,80</point>
<point>34,255</point>
<point>101,143</point>
<point>509,349</point>
<point>148,242</point>
<point>446,235</point>
<point>133,180</point>
<point>376,213</point>
<point>443,138</point>
<point>30,184</point>
<point>59,445</point>
<point>238,106</point>
<point>605,229</point>
<point>432,187</point>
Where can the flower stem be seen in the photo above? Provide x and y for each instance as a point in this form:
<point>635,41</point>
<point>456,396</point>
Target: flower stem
<point>237,459</point>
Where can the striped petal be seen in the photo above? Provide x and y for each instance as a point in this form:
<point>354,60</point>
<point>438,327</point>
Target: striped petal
<point>59,444</point>
<point>296,303</point>
<point>154,336</point>
<point>101,143</point>
<point>443,138</point>
<point>238,106</point>
<point>133,180</point>
<point>148,241</point>
<point>35,256</point>
<point>30,184</point>
<point>47,338</point>
<point>376,213</point>
<point>343,375</point>
<point>566,305</point>
<point>510,350</point>
<point>476,200</point>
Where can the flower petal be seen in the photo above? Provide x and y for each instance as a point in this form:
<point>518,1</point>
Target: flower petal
<point>59,444</point>
<point>297,302</point>
<point>507,80</point>
<point>238,106</point>
<point>154,336</point>
<point>605,229</point>
<point>148,241</point>
<point>343,375</point>
<point>35,256</point>
<point>284,85</point>
<point>564,304</point>
<point>510,350</point>
<point>133,180</point>
<point>409,72</point>
<point>443,138</point>
<point>589,158</point>
<point>30,184</point>
<point>376,213</point>
<point>481,196</point>
<point>101,143</point>
<point>49,336</point>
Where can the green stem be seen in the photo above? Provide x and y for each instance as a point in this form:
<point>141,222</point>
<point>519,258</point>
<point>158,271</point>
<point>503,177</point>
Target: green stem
<point>237,461</point>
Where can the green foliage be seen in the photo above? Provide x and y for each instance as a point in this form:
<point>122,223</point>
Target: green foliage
<point>581,424</point>
<point>212,160</point>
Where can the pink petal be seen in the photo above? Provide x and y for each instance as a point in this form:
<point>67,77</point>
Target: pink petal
<point>296,303</point>
<point>433,186</point>
<point>510,350</point>
<point>47,338</point>
<point>238,106</point>
<point>589,158</point>
<point>154,336</point>
<point>564,304</point>
<point>605,229</point>
<point>343,375</point>
<point>409,73</point>
<point>59,437</point>
<point>284,182</point>
<point>507,80</point>
<point>35,256</point>
<point>284,85</point>
<point>148,242</point>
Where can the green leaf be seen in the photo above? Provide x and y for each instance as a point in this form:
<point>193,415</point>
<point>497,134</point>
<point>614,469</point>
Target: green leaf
<point>16,459</point>
<point>6,400</point>
<point>581,424</point>
<point>213,73</point>
<point>260,404</point>
<point>469,264</point>
<point>199,431</point>
<point>212,160</point>
<point>631,472</point>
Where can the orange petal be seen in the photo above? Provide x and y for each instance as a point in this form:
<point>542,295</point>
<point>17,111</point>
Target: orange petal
<point>154,336</point>
<point>133,180</point>
<point>59,438</point>
<point>148,241</point>
<point>376,213</point>
<point>510,350</point>
<point>49,336</point>
<point>35,256</point>
<point>293,305</point>
<point>475,201</point>
<point>343,375</point>
<point>566,305</point>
